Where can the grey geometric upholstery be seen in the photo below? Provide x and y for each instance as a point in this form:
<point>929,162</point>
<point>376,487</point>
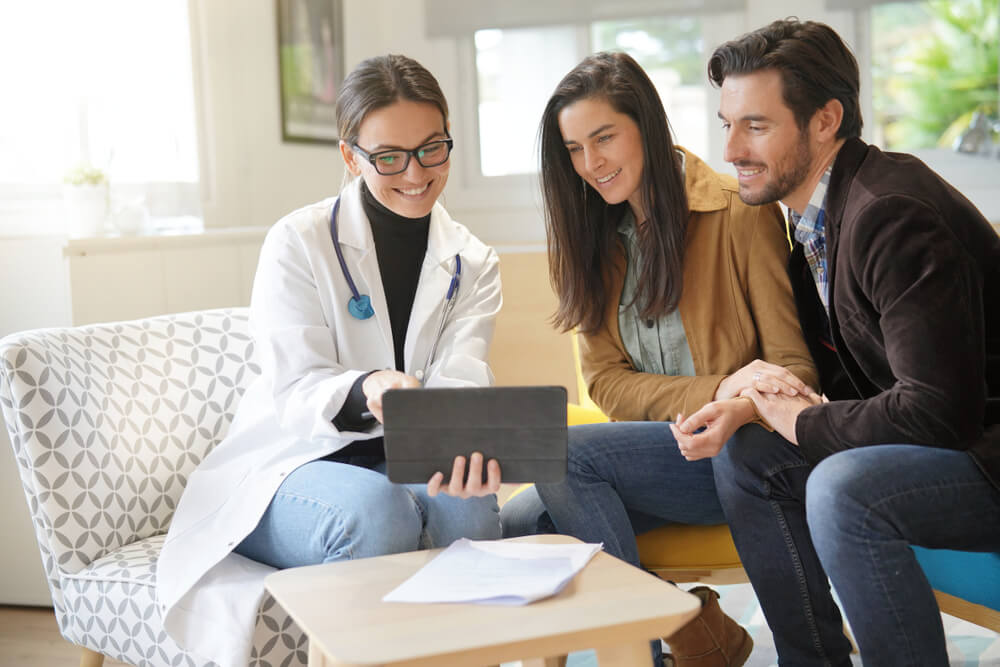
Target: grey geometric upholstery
<point>107,422</point>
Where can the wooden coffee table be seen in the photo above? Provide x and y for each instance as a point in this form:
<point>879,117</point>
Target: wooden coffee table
<point>610,606</point>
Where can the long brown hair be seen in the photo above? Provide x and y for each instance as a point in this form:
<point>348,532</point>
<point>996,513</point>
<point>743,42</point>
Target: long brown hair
<point>582,229</point>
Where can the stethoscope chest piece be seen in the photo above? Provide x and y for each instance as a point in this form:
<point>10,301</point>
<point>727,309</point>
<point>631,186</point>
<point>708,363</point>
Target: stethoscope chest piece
<point>360,307</point>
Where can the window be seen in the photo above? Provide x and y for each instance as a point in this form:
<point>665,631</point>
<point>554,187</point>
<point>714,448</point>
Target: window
<point>518,68</point>
<point>517,71</point>
<point>103,82</point>
<point>934,66</point>
<point>934,90</point>
<point>670,49</point>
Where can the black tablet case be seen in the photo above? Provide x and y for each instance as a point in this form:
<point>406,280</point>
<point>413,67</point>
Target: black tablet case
<point>523,428</point>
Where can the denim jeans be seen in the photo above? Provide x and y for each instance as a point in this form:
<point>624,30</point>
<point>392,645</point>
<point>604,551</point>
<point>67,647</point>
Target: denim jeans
<point>328,511</point>
<point>623,478</point>
<point>853,518</point>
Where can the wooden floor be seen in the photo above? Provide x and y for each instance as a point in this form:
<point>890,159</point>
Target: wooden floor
<point>29,637</point>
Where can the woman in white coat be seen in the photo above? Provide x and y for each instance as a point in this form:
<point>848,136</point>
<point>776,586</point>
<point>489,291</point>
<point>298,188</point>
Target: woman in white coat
<point>351,298</point>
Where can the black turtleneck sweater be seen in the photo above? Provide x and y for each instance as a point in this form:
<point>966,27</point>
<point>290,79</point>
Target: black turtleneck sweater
<point>400,246</point>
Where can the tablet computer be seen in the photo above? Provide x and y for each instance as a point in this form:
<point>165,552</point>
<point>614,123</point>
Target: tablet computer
<point>523,428</point>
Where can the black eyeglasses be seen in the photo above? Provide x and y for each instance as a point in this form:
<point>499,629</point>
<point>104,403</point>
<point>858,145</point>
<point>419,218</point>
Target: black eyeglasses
<point>387,163</point>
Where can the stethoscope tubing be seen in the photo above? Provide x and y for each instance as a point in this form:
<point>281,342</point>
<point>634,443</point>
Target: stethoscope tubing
<point>451,297</point>
<point>357,297</point>
<point>340,253</point>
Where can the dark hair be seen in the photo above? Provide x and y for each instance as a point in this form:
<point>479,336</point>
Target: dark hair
<point>582,228</point>
<point>814,63</point>
<point>378,82</point>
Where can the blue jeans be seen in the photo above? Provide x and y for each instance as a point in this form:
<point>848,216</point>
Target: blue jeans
<point>623,478</point>
<point>853,517</point>
<point>328,511</point>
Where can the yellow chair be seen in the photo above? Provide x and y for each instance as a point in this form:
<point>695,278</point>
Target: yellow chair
<point>676,552</point>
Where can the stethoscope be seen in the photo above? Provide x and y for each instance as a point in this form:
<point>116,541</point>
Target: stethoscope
<point>360,305</point>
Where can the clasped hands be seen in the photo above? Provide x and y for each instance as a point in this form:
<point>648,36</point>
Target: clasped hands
<point>777,395</point>
<point>460,486</point>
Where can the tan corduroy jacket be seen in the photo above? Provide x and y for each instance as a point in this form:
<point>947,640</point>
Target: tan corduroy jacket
<point>736,306</point>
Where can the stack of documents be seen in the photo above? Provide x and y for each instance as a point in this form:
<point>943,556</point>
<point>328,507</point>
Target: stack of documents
<point>495,572</point>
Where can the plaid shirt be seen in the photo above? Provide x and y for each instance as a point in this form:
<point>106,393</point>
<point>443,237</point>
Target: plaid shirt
<point>810,231</point>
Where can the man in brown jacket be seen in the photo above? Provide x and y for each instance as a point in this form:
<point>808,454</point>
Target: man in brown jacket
<point>897,281</point>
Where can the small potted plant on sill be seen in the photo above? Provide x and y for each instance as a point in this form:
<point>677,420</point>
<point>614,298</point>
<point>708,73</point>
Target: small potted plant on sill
<point>87,199</point>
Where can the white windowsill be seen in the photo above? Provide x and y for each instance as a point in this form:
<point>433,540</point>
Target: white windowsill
<point>183,232</point>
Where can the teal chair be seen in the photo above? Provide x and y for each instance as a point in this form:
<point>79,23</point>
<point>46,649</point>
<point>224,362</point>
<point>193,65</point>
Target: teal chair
<point>966,584</point>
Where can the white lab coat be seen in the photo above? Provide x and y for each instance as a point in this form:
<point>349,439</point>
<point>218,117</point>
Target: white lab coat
<point>311,350</point>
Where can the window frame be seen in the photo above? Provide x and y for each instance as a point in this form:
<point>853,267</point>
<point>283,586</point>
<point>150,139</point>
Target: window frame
<point>507,191</point>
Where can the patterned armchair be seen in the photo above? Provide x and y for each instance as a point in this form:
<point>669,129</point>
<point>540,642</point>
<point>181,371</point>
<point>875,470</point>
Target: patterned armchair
<point>107,422</point>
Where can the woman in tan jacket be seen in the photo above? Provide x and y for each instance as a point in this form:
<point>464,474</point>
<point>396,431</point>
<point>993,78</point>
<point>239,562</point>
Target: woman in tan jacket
<point>680,294</point>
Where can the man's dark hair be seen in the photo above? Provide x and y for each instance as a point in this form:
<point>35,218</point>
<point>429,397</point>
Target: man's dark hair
<point>814,63</point>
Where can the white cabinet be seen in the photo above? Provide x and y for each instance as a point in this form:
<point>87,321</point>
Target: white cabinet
<point>127,278</point>
<point>52,281</point>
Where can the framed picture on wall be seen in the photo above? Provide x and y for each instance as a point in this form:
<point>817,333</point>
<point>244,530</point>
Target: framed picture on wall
<point>310,67</point>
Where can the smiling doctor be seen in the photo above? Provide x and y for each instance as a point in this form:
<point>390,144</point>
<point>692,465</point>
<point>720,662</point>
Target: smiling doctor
<point>375,289</point>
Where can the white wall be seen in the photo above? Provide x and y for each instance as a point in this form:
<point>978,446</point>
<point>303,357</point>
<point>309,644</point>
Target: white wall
<point>249,177</point>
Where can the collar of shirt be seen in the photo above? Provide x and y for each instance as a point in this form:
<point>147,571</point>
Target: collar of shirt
<point>627,227</point>
<point>809,225</point>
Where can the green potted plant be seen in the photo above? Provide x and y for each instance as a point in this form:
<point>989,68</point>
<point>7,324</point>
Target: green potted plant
<point>86,196</point>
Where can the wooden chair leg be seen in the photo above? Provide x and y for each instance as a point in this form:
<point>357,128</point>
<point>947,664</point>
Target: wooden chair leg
<point>90,658</point>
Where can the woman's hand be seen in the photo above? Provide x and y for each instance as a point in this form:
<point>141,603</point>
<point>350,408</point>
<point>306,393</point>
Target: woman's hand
<point>380,382</point>
<point>474,487</point>
<point>719,419</point>
<point>766,378</point>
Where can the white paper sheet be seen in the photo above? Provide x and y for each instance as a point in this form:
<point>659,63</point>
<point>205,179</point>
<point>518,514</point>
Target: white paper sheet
<point>495,572</point>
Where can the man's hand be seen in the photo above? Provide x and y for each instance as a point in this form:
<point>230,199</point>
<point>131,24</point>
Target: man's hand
<point>474,487</point>
<point>380,382</point>
<point>782,411</point>
<point>766,378</point>
<point>720,420</point>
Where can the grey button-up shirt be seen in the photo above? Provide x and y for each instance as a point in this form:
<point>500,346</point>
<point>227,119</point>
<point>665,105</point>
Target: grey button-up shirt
<point>658,345</point>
